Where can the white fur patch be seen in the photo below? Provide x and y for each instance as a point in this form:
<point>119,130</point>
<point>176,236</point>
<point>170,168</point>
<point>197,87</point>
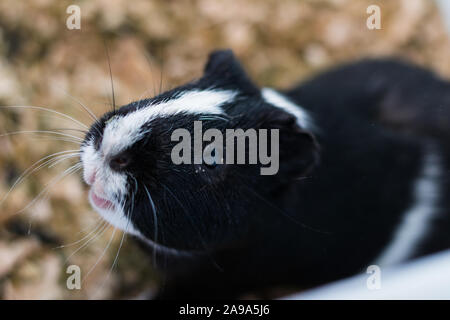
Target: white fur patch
<point>121,132</point>
<point>416,220</point>
<point>280,101</point>
<point>117,218</point>
<point>112,182</point>
<point>90,159</point>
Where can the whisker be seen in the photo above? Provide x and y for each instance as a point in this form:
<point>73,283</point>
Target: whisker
<point>161,75</point>
<point>155,220</point>
<point>31,169</point>
<point>101,256</point>
<point>147,57</point>
<point>52,182</point>
<point>111,79</point>
<point>49,161</point>
<point>70,129</point>
<point>97,221</point>
<point>98,234</point>
<point>83,132</point>
<point>66,157</point>
<point>133,195</point>
<point>213,117</point>
<point>48,110</point>
<point>44,192</point>
<point>89,111</point>
<point>41,132</point>
<point>54,118</point>
<point>58,139</point>
<point>118,252</point>
<point>97,227</point>
<point>116,258</point>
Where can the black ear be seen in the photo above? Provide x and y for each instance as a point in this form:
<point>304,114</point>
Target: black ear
<point>299,150</point>
<point>223,70</point>
<point>298,147</point>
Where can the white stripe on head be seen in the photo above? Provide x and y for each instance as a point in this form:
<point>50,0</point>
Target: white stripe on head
<point>90,159</point>
<point>122,131</point>
<point>280,101</point>
<point>416,220</point>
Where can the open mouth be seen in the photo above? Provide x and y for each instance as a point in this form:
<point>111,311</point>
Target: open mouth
<point>100,202</point>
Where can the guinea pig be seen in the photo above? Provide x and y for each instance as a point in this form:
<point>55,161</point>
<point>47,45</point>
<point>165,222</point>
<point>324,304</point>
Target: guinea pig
<point>360,172</point>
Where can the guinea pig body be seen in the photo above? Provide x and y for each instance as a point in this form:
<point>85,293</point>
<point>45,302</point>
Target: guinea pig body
<point>361,179</point>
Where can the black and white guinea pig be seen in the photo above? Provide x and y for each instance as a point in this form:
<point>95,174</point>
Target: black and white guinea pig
<point>363,177</point>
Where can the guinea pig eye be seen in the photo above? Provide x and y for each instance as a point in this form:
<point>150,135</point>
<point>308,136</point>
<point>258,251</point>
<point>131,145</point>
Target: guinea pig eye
<point>119,162</point>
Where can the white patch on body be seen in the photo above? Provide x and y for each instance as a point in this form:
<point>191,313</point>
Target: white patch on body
<point>121,132</point>
<point>416,220</point>
<point>280,101</point>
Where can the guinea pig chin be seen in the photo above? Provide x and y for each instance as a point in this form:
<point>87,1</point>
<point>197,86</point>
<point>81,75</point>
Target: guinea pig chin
<point>109,209</point>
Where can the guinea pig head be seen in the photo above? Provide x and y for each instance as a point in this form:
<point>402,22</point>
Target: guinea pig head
<point>164,169</point>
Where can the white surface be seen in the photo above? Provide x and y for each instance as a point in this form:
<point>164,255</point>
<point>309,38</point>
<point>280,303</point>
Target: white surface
<point>426,278</point>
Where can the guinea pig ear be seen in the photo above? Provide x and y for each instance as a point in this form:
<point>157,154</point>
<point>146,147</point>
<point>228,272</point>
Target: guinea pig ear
<point>298,149</point>
<point>223,70</point>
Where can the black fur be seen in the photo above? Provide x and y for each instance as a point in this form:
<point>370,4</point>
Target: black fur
<point>333,206</point>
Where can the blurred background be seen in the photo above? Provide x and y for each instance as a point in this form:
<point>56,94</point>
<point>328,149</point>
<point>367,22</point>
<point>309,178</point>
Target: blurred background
<point>152,45</point>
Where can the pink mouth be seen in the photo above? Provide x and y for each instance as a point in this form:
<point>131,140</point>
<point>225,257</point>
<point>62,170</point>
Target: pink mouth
<point>101,202</point>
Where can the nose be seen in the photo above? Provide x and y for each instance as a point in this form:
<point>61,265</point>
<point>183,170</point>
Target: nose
<point>119,162</point>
